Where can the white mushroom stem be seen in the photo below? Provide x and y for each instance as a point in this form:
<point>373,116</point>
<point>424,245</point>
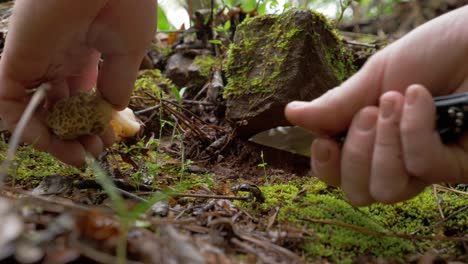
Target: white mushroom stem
<point>125,124</point>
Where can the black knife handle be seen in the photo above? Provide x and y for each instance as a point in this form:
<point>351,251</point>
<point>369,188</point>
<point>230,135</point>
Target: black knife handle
<point>451,120</point>
<point>452,116</point>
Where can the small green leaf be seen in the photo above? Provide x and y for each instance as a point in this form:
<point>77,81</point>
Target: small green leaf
<point>215,42</point>
<point>176,94</point>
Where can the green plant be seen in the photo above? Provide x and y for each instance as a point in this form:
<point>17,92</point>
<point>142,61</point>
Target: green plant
<point>263,165</point>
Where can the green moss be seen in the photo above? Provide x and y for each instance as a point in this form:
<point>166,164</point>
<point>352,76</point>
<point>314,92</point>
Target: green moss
<point>192,180</point>
<point>241,61</point>
<point>278,195</point>
<point>337,243</point>
<point>340,245</point>
<point>339,58</point>
<point>150,85</point>
<point>152,82</point>
<point>420,214</point>
<point>31,166</point>
<point>205,63</point>
<point>341,62</point>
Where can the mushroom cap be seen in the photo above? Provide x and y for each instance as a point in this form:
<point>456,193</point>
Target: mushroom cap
<point>83,114</point>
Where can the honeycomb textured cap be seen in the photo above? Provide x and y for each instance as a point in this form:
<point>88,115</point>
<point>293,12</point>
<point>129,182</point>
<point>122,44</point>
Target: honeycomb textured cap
<point>80,115</point>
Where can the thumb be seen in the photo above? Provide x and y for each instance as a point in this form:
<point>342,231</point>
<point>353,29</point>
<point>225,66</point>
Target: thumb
<point>332,113</point>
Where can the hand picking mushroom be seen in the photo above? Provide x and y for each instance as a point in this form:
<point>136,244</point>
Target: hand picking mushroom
<point>88,114</point>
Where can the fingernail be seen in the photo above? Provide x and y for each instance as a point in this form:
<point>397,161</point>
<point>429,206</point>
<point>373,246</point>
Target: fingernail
<point>387,108</point>
<point>320,150</point>
<point>366,122</point>
<point>411,96</point>
<point>297,104</point>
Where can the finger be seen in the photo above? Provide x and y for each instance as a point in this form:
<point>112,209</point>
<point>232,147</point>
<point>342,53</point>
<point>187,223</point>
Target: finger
<point>325,160</point>
<point>92,144</point>
<point>108,137</point>
<point>86,78</point>
<point>357,157</point>
<point>332,113</point>
<point>27,53</point>
<point>117,77</point>
<point>123,45</point>
<point>425,155</point>
<point>390,182</point>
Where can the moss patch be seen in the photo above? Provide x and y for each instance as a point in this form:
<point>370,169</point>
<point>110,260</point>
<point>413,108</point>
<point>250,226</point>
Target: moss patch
<point>150,83</point>
<point>205,63</point>
<point>31,166</point>
<point>337,244</point>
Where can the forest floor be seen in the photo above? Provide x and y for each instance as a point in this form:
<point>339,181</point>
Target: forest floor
<point>187,189</point>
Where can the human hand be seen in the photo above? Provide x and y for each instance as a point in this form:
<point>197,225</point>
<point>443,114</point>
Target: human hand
<point>60,42</point>
<point>392,150</point>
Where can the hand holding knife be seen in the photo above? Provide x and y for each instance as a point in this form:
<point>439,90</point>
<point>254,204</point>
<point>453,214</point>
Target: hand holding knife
<point>451,122</point>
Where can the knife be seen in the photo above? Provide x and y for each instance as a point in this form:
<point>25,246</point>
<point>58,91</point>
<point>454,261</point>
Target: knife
<point>451,121</point>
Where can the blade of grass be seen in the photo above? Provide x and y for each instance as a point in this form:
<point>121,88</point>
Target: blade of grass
<point>107,184</point>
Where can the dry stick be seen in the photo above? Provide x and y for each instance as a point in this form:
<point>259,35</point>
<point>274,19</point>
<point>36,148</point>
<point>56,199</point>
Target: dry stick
<point>269,245</point>
<point>439,207</point>
<point>185,101</point>
<point>366,45</point>
<point>209,196</point>
<point>445,189</point>
<point>35,101</point>
<point>205,196</point>
<point>252,250</point>
<point>380,233</point>
<point>450,216</point>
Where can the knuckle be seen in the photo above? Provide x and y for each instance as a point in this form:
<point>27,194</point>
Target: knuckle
<point>356,156</point>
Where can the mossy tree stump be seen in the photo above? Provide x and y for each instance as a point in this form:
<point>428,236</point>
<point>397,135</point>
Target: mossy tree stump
<point>276,59</point>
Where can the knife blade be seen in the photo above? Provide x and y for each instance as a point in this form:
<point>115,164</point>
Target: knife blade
<point>451,121</point>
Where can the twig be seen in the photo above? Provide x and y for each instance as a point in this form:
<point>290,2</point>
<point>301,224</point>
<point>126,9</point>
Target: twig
<point>366,45</point>
<point>185,101</point>
<point>380,233</point>
<point>146,110</point>
<point>249,249</point>
<point>152,108</point>
<point>434,192</point>
<point>269,246</point>
<point>52,200</point>
<point>443,188</point>
<point>450,216</point>
<point>35,101</point>
<point>208,196</point>
<point>172,31</point>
